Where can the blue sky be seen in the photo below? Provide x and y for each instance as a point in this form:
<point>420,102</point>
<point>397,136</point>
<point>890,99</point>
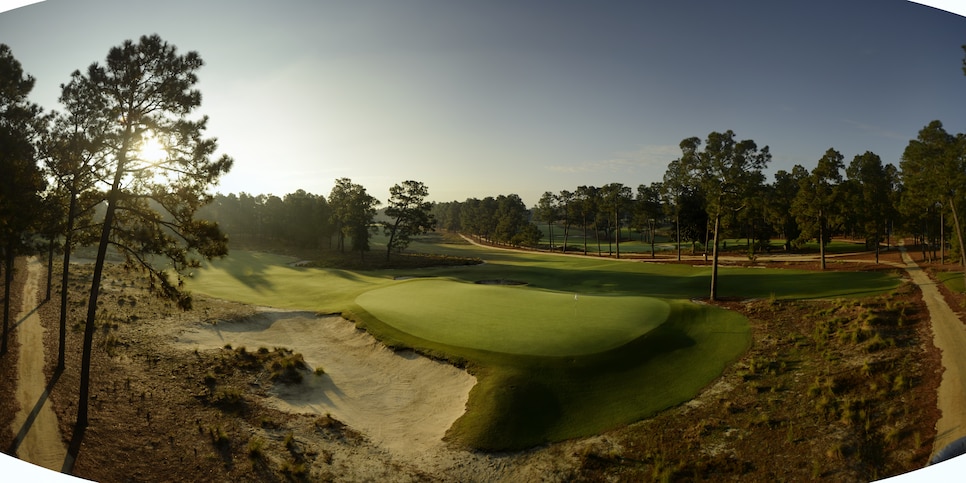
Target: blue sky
<point>498,97</point>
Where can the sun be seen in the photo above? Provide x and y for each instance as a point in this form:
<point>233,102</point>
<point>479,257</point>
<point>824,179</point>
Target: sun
<point>151,149</point>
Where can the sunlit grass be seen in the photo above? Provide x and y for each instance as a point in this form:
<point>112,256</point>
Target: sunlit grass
<point>515,320</point>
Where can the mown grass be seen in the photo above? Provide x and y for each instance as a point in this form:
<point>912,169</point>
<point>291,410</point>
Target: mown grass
<point>953,280</point>
<point>634,347</point>
<point>527,401</point>
<point>516,320</point>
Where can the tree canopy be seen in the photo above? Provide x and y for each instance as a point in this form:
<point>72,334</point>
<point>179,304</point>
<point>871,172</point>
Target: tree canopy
<point>143,95</point>
<point>818,199</point>
<point>410,214</point>
<point>728,172</point>
<point>21,180</point>
<point>353,213</point>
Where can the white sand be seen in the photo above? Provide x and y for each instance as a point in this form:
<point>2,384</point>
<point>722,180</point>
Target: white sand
<point>401,401</point>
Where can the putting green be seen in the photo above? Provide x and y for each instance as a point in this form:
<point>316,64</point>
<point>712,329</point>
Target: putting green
<point>513,319</point>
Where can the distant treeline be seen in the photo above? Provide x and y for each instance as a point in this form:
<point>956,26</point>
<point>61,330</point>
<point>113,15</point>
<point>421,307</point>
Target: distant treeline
<point>300,219</point>
<point>308,220</point>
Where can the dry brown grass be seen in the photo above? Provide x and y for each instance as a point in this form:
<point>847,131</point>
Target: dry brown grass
<point>832,390</point>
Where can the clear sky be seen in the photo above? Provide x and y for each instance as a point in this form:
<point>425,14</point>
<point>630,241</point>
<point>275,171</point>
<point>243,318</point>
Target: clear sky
<point>496,97</point>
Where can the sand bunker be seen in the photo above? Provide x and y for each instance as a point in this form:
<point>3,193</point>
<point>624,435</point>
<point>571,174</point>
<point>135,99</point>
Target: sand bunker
<point>401,401</point>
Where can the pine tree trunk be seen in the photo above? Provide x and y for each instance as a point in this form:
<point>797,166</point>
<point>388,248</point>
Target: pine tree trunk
<point>959,235</point>
<point>65,272</point>
<point>714,260</point>
<point>617,230</point>
<point>8,281</point>
<point>597,236</point>
<point>566,232</point>
<point>942,239</point>
<point>707,238</point>
<point>677,222</point>
<point>50,267</point>
<point>821,237</point>
<point>551,237</point>
<point>85,376</point>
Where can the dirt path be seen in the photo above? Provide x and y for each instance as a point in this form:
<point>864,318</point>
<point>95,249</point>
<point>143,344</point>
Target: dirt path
<point>949,335</point>
<point>36,426</point>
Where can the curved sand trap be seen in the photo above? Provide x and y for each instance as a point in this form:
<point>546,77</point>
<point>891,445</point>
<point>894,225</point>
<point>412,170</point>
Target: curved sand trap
<point>401,401</point>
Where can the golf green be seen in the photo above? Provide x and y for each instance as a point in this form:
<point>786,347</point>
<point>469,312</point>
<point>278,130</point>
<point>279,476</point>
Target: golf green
<point>513,319</point>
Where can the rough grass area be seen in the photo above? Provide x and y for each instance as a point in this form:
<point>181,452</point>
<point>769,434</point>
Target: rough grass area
<point>165,414</point>
<point>831,391</point>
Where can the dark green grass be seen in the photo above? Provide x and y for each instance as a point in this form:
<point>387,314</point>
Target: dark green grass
<point>537,400</point>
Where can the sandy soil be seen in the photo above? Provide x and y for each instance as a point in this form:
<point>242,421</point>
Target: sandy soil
<point>401,401</point>
<point>950,338</point>
<point>35,425</point>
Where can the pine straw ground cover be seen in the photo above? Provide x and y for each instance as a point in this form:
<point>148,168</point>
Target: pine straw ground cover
<point>839,390</point>
<point>831,390</point>
<point>159,414</point>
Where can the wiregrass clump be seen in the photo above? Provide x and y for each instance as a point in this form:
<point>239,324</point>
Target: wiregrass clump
<point>279,365</point>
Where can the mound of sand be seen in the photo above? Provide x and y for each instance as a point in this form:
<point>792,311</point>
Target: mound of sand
<point>401,401</point>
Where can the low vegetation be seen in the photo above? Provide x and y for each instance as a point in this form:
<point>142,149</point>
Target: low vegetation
<point>831,390</point>
<point>199,415</point>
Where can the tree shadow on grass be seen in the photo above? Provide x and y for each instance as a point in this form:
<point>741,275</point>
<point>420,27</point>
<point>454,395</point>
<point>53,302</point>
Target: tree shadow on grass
<point>346,274</point>
<point>248,270</point>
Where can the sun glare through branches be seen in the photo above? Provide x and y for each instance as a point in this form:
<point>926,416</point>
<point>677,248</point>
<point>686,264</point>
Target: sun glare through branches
<point>152,150</point>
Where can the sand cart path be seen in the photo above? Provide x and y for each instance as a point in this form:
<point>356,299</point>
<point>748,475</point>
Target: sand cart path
<point>949,335</point>
<point>38,437</point>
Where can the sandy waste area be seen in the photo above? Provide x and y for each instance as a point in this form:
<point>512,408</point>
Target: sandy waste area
<point>401,401</point>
